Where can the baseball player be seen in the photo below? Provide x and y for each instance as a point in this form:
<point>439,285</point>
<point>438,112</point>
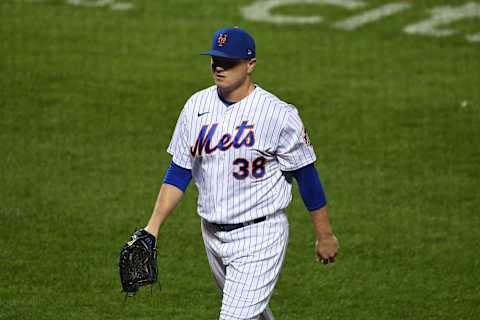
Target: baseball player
<point>243,147</point>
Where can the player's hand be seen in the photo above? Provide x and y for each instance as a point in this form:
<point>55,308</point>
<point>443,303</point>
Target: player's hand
<point>326,249</point>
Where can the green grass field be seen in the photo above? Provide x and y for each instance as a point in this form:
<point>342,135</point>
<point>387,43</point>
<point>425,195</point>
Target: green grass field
<point>89,97</point>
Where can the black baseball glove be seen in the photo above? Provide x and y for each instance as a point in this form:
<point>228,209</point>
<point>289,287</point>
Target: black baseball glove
<point>138,262</point>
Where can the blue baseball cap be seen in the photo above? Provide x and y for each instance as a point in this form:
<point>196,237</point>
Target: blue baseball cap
<point>232,43</point>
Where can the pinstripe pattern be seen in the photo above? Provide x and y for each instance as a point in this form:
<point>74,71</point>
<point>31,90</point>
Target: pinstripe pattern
<point>246,264</point>
<point>237,155</point>
<point>278,133</point>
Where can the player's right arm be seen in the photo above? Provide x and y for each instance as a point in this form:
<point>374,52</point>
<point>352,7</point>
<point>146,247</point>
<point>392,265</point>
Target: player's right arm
<point>174,185</point>
<point>168,198</point>
<point>176,179</point>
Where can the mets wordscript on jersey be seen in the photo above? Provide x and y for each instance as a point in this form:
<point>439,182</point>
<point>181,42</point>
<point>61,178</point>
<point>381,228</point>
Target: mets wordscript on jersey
<point>244,136</point>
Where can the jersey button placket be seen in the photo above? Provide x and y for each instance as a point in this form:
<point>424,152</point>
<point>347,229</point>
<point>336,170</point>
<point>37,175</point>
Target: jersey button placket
<point>225,128</point>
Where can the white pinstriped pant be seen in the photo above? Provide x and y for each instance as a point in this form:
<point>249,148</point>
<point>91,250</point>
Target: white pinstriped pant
<point>246,264</point>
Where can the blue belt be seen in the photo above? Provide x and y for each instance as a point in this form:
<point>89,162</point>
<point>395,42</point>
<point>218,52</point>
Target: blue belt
<point>231,227</point>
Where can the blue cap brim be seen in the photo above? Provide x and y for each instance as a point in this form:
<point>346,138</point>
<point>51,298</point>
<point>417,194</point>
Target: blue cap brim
<point>216,53</point>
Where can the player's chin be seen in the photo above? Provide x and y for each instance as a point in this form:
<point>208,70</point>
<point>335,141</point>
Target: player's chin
<point>222,83</point>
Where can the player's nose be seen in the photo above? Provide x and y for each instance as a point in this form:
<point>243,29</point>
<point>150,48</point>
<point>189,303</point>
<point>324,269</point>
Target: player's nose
<point>216,67</point>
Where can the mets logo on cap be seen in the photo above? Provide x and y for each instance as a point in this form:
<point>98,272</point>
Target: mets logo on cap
<point>222,39</point>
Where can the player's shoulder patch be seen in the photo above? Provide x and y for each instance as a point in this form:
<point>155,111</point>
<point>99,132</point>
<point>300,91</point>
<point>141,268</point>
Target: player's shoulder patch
<point>306,138</point>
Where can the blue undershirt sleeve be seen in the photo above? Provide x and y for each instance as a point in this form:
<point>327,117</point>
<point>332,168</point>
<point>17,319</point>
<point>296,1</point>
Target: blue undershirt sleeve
<point>177,176</point>
<point>310,187</point>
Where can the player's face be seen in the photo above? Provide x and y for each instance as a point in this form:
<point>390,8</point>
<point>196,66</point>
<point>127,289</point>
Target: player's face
<point>230,74</point>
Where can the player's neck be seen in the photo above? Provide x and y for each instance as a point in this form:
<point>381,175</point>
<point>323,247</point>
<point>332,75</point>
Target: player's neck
<point>238,93</point>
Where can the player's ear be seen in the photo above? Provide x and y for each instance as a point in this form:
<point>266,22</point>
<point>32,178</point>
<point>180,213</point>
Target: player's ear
<point>252,63</point>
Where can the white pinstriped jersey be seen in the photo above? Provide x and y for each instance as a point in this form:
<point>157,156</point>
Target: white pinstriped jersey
<point>237,153</point>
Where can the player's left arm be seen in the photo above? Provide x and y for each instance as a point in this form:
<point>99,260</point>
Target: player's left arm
<point>313,196</point>
<point>296,156</point>
<point>326,244</point>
